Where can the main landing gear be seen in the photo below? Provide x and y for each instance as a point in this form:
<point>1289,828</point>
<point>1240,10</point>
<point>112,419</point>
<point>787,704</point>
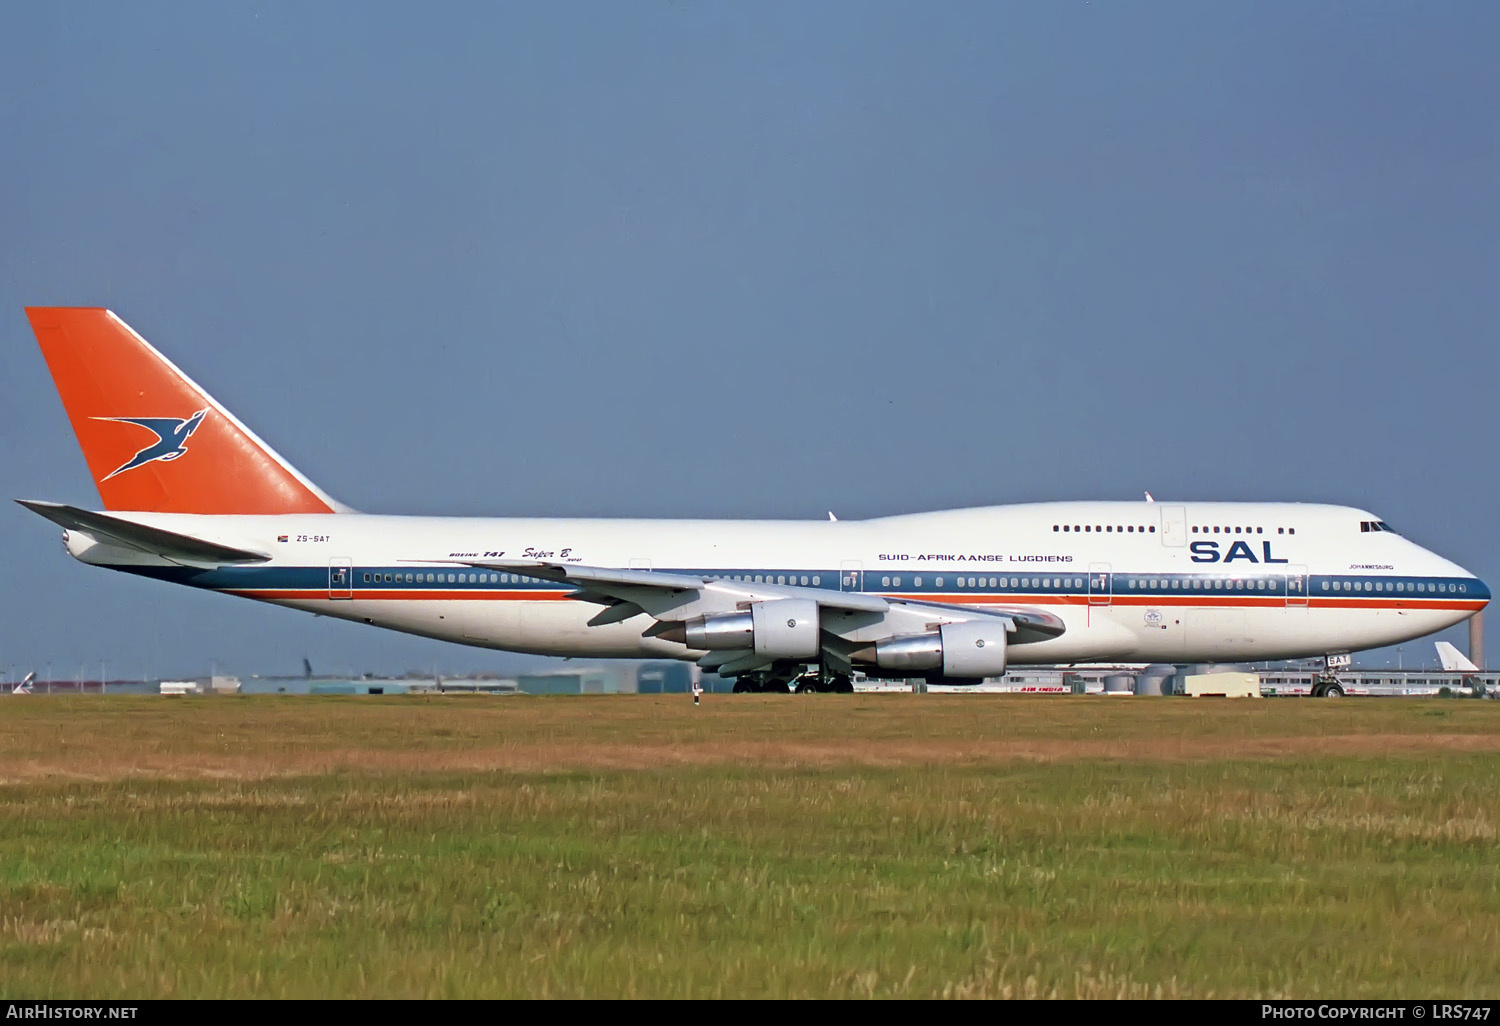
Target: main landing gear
<point>803,683</point>
<point>834,683</point>
<point>763,684</point>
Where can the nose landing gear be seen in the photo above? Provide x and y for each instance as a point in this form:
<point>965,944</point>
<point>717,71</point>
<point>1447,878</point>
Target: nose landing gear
<point>1328,685</point>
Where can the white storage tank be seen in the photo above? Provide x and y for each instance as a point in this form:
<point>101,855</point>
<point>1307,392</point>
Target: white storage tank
<point>1154,679</point>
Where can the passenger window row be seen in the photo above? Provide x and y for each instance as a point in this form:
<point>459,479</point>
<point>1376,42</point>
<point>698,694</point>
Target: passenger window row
<point>1024,583</point>
<point>1199,583</point>
<point>437,578</point>
<point>1205,529</point>
<point>1151,529</point>
<point>1105,529</point>
<point>816,580</point>
<point>1409,587</point>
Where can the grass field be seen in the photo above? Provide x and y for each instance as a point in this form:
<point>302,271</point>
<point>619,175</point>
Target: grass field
<point>807,846</point>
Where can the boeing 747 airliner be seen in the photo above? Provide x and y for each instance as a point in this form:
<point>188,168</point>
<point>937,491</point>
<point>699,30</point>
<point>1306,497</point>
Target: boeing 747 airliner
<point>192,496</point>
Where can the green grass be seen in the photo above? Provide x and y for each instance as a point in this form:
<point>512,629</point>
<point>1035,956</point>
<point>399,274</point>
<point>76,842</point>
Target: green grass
<point>778,847</point>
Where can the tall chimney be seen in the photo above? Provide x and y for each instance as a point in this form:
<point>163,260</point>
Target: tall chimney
<point>1476,639</point>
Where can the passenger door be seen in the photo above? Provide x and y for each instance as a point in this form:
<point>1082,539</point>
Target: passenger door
<point>1296,586</point>
<point>1100,590</point>
<point>340,578</point>
<point>851,570</point>
<point>1174,526</point>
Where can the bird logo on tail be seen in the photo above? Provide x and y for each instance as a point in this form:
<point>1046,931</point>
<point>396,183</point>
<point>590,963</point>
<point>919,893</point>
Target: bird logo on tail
<point>171,438</point>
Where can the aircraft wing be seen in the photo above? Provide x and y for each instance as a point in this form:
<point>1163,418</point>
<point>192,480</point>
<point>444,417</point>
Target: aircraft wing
<point>152,540</point>
<point>664,588</point>
<point>849,618</point>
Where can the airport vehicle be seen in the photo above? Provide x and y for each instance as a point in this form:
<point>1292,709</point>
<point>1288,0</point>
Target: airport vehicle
<point>193,497</point>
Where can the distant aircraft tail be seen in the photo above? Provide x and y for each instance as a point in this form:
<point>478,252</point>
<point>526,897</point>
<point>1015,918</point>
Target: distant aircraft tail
<point>1453,660</point>
<point>154,440</point>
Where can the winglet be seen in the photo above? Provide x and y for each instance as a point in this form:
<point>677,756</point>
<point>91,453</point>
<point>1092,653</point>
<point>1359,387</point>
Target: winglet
<point>153,439</point>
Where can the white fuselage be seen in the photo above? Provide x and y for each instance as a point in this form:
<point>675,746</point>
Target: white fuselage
<point>1133,582</point>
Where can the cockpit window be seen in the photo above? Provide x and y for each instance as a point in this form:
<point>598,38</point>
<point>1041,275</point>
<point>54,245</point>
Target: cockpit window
<point>1366,526</point>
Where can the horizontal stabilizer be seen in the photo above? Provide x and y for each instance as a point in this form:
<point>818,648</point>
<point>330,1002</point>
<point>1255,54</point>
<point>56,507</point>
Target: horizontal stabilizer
<point>1453,660</point>
<point>151,540</point>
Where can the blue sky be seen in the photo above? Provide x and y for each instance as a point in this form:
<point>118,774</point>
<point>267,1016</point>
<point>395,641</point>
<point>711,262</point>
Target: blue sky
<point>752,259</point>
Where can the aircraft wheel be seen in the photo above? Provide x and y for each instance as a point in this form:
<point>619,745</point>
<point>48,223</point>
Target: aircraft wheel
<point>1317,691</point>
<point>742,686</point>
<point>841,683</point>
<point>1333,691</point>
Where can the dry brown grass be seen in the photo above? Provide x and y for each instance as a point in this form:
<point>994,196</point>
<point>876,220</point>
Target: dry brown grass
<point>94,739</point>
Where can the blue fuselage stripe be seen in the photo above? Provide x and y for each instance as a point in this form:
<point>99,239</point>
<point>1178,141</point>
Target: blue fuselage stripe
<point>1074,584</point>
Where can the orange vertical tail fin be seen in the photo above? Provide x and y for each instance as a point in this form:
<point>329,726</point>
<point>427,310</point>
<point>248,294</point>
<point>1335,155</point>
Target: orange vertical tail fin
<point>153,439</point>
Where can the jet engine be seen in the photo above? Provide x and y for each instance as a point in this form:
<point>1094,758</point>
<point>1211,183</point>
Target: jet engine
<point>779,629</point>
<point>968,650</point>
